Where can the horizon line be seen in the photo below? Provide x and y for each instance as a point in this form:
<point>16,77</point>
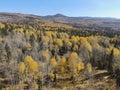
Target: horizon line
<point>61,15</point>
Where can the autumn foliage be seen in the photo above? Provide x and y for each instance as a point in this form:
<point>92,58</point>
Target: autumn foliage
<point>44,52</point>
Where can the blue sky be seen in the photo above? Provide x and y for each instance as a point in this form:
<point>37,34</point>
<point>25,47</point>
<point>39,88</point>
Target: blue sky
<point>94,8</point>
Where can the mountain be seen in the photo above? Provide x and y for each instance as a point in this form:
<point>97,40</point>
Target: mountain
<point>17,17</point>
<point>91,23</point>
<point>86,23</point>
<point>57,15</point>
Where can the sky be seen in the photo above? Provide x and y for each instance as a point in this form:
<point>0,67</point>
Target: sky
<point>92,8</point>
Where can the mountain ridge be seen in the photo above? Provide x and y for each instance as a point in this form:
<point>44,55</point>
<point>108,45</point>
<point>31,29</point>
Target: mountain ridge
<point>87,23</point>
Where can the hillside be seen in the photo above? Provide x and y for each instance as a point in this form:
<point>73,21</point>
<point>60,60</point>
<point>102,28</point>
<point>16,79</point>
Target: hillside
<point>37,53</point>
<point>86,23</point>
<point>89,23</point>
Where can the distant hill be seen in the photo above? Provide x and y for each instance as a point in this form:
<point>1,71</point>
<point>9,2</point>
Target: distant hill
<point>86,23</point>
<point>18,18</point>
<point>90,23</point>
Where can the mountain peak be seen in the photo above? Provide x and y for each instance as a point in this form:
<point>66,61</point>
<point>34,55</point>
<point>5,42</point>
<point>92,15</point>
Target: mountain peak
<point>59,15</point>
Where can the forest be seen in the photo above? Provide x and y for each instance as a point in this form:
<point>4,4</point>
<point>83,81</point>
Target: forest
<point>53,56</point>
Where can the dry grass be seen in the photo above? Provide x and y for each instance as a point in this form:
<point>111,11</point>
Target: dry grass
<point>101,80</point>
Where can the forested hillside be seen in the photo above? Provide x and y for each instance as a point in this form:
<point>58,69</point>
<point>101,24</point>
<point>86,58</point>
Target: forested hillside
<point>86,23</point>
<point>37,54</point>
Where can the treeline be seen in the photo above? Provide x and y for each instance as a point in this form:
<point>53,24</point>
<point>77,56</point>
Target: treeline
<point>31,57</point>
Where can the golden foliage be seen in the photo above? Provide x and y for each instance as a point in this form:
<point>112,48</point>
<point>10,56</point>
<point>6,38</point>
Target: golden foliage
<point>96,45</point>
<point>2,25</point>
<point>68,43</point>
<point>72,57</point>
<point>62,69</point>
<point>62,64</point>
<point>59,42</point>
<point>31,64</point>
<point>62,61</point>
<point>116,52</point>
<point>45,39</point>
<point>55,43</point>
<point>51,75</point>
<point>28,59</point>
<point>31,32</point>
<point>49,34</point>
<point>89,67</point>
<point>79,66</point>
<point>74,39</point>
<point>19,30</point>
<point>86,44</point>
<point>53,62</point>
<point>21,67</point>
<point>108,50</point>
<point>75,47</point>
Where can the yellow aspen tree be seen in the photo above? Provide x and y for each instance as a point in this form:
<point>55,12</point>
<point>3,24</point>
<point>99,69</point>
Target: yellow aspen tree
<point>62,64</point>
<point>74,39</point>
<point>116,52</point>
<point>28,59</point>
<point>21,67</point>
<point>53,62</point>
<point>85,48</point>
<point>85,44</point>
<point>79,66</point>
<point>2,25</point>
<point>62,61</point>
<point>108,50</point>
<point>45,39</point>
<point>89,67</point>
<point>59,42</point>
<point>31,64</point>
<point>68,43</point>
<point>75,47</point>
<point>72,57</point>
